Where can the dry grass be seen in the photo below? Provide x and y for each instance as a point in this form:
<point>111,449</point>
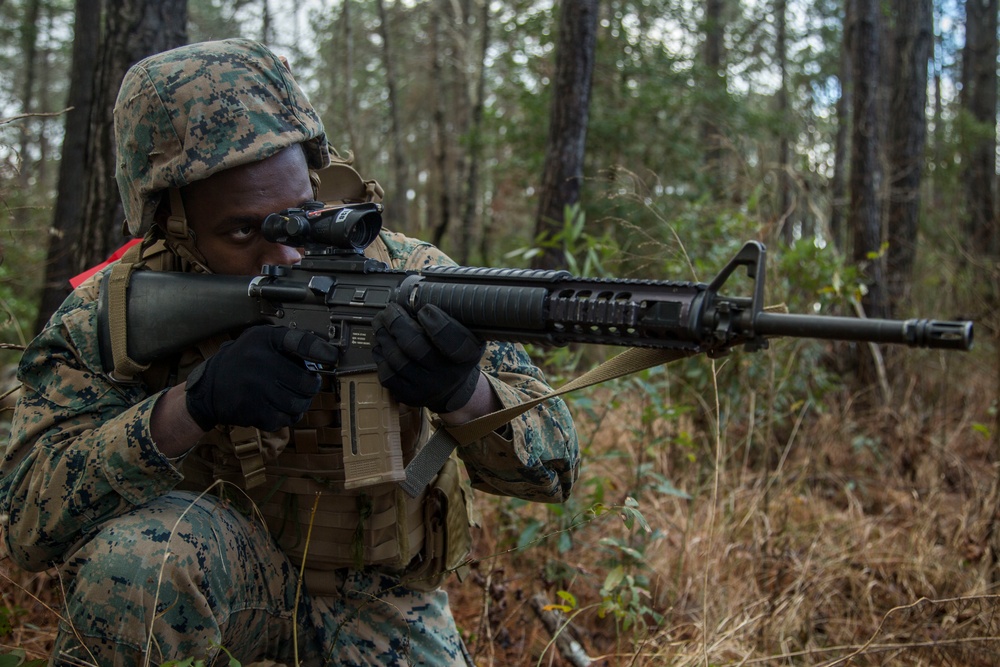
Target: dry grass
<point>28,611</point>
<point>812,550</point>
<point>837,536</point>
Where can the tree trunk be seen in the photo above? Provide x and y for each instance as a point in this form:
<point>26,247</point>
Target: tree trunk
<point>265,22</point>
<point>458,118</point>
<point>475,142</point>
<point>133,29</point>
<point>866,175</point>
<point>907,138</point>
<point>441,218</point>
<point>29,54</point>
<point>937,151</point>
<point>866,171</point>
<point>68,213</point>
<point>348,111</point>
<point>715,81</point>
<point>396,209</point>
<point>838,194</point>
<point>785,198</point>
<point>563,171</point>
<point>45,101</point>
<point>979,101</point>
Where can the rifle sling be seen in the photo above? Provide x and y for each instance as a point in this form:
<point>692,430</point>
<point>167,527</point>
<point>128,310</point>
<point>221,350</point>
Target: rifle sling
<point>125,368</point>
<point>432,456</point>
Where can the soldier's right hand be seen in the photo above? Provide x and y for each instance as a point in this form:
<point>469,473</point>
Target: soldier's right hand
<point>260,379</point>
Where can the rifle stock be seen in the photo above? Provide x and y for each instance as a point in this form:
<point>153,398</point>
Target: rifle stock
<point>335,292</point>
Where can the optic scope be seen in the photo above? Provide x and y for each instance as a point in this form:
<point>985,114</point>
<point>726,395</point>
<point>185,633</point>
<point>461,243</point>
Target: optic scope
<point>325,229</point>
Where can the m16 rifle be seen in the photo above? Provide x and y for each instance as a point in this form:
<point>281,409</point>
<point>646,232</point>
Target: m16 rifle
<point>335,291</point>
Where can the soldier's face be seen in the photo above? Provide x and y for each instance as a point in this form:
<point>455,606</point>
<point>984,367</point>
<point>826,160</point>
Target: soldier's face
<point>226,211</point>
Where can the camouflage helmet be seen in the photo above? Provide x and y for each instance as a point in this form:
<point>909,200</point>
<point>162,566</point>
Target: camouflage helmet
<point>185,114</point>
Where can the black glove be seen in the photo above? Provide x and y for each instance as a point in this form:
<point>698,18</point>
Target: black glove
<point>430,361</point>
<point>259,379</point>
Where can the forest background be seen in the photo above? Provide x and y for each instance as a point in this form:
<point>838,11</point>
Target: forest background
<point>814,503</point>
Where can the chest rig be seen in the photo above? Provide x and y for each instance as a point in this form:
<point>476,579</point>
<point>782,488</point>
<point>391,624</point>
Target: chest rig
<point>294,479</point>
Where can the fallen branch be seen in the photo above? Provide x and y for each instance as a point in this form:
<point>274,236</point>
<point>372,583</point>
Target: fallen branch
<point>556,623</point>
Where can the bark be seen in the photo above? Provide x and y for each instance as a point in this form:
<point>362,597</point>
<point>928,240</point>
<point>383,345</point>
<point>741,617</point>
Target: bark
<point>464,59</point>
<point>907,139</point>
<point>441,218</point>
<point>397,207</point>
<point>45,101</point>
<point>563,171</point>
<point>265,22</point>
<point>68,211</point>
<point>866,175</point>
<point>785,197</point>
<point>839,197</point>
<point>713,55</point>
<point>937,150</point>
<point>348,109</point>
<point>475,141</point>
<point>29,55</point>
<point>133,29</point>
<point>866,171</point>
<point>979,102</point>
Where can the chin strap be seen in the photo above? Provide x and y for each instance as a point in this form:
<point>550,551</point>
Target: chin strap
<point>180,239</point>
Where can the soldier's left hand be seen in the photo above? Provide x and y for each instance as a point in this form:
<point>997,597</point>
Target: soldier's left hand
<point>431,360</point>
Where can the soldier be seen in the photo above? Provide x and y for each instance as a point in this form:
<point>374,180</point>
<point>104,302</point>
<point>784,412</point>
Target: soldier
<point>176,502</point>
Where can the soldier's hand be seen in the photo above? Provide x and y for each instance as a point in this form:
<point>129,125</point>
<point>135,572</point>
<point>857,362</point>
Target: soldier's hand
<point>431,360</point>
<point>260,379</point>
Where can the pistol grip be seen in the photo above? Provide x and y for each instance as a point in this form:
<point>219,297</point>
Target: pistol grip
<point>370,428</point>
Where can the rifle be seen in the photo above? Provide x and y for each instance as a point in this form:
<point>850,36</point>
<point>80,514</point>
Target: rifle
<point>335,292</point>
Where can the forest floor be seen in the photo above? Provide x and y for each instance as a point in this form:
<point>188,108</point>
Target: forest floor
<point>839,535</point>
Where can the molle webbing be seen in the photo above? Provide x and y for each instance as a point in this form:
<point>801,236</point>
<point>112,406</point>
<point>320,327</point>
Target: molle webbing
<point>350,530</point>
<point>377,525</point>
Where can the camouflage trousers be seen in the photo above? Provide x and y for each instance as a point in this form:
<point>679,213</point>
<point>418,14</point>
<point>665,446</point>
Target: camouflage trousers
<point>213,585</point>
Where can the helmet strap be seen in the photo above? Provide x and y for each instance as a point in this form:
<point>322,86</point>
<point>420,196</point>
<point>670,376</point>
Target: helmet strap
<point>180,238</point>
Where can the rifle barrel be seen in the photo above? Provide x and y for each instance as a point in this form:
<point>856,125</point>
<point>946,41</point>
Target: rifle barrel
<point>913,333</point>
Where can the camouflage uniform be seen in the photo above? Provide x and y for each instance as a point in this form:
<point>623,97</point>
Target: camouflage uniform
<point>83,486</point>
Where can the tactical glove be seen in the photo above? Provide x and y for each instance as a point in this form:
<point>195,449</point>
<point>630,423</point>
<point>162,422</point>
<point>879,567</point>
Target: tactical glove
<point>430,361</point>
<point>259,379</point>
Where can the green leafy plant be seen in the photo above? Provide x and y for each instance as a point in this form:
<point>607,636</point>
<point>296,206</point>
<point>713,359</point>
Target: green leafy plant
<point>586,254</point>
<point>625,591</point>
<point>17,658</point>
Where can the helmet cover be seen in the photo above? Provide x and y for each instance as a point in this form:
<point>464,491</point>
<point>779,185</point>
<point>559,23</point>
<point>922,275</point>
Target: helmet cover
<point>185,114</point>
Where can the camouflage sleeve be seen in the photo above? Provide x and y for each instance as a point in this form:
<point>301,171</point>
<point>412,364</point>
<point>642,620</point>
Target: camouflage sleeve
<point>539,457</point>
<point>80,449</point>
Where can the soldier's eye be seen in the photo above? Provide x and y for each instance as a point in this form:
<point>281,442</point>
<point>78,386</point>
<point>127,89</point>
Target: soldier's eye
<point>243,233</point>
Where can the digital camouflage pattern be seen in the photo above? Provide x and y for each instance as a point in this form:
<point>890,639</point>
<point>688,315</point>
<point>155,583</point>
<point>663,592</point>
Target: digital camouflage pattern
<point>188,113</point>
<point>216,581</point>
<point>82,480</point>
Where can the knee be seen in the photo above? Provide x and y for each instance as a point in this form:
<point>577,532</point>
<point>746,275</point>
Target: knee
<point>168,540</point>
<point>181,567</point>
